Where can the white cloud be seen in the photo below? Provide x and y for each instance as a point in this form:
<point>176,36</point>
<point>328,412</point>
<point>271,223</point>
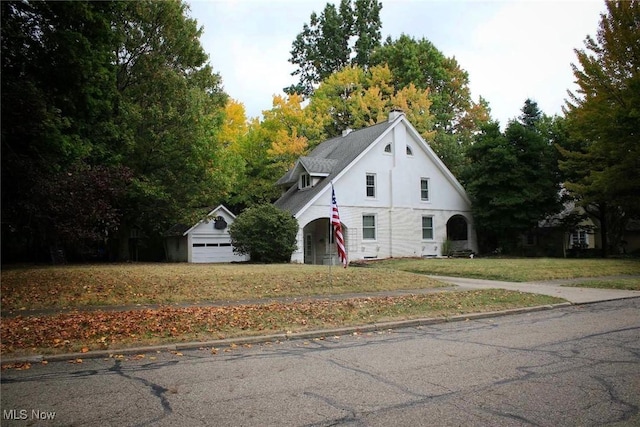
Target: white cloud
<point>512,50</point>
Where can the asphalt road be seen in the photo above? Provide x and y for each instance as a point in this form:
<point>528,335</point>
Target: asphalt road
<point>571,366</point>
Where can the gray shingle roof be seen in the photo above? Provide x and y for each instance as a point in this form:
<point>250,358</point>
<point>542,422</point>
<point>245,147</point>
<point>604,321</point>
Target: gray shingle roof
<point>331,157</point>
<point>317,165</point>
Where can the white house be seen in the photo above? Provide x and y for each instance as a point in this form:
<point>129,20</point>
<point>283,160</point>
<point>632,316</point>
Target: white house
<point>207,241</point>
<point>395,196</point>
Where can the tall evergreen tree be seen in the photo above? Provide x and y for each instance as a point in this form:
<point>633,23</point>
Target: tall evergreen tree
<point>512,180</point>
<point>602,160</point>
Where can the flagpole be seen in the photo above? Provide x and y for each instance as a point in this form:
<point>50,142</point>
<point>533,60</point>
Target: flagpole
<point>330,235</point>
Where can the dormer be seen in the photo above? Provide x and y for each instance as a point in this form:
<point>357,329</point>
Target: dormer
<point>307,173</point>
<point>304,181</point>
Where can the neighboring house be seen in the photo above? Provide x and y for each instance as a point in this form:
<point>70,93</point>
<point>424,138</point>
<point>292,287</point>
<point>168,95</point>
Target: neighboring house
<point>573,232</point>
<point>631,238</point>
<point>564,234</point>
<point>205,242</point>
<point>395,196</point>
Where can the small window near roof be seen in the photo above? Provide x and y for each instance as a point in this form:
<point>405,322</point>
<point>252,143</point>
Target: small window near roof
<point>409,151</point>
<point>305,181</point>
<point>424,189</point>
<point>371,185</point>
<point>387,148</point>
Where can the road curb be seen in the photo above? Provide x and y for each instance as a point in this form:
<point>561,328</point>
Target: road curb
<point>262,339</point>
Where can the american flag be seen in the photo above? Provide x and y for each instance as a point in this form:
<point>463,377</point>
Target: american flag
<point>337,229</point>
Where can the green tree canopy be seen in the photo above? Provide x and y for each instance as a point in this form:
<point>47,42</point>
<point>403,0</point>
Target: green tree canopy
<point>512,180</point>
<point>121,85</point>
<point>327,43</point>
<point>602,159</point>
<point>456,117</point>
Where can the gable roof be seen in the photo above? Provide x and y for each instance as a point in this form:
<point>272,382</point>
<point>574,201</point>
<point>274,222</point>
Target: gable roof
<point>328,159</point>
<point>315,166</point>
<point>209,215</point>
<point>345,150</point>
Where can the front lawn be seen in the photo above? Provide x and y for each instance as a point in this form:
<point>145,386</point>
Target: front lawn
<point>29,288</point>
<point>516,269</point>
<point>77,287</point>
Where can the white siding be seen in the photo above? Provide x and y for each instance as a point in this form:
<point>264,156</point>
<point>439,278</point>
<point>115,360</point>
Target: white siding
<point>206,244</point>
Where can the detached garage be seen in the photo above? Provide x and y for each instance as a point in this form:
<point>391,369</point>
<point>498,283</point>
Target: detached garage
<point>206,242</point>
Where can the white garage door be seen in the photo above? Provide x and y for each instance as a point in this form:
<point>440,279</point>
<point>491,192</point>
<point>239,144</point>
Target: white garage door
<point>212,250</point>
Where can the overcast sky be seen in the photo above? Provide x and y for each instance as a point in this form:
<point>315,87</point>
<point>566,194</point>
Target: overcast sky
<point>512,50</point>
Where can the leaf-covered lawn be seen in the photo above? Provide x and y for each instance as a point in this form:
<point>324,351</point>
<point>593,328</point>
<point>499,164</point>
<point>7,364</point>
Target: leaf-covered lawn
<point>85,331</point>
<point>516,269</point>
<point>127,284</point>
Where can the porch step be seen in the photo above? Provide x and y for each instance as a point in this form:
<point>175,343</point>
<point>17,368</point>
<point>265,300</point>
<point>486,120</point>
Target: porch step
<point>463,253</point>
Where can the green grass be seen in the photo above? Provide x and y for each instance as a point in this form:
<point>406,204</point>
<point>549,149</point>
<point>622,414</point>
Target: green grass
<point>515,269</point>
<point>622,284</point>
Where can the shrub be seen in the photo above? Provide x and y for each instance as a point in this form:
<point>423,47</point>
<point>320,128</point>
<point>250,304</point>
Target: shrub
<point>265,233</point>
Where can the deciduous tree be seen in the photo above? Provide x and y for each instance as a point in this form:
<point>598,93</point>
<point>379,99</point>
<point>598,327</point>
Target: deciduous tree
<point>116,84</point>
<point>327,43</point>
<point>355,98</point>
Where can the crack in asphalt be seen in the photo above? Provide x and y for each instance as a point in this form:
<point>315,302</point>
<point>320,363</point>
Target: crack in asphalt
<point>632,409</point>
<point>528,373</point>
<point>156,390</point>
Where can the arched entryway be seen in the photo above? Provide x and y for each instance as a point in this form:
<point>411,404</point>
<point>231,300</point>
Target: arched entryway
<point>458,232</point>
<point>319,244</point>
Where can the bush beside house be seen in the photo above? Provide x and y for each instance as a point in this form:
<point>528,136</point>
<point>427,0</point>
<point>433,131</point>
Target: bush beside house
<point>265,233</point>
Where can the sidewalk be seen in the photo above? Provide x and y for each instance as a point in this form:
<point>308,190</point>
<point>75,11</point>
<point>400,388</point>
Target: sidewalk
<point>552,288</point>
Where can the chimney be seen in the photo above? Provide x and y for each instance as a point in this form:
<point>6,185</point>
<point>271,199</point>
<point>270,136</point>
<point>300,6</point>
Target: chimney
<point>395,113</point>
<point>347,131</point>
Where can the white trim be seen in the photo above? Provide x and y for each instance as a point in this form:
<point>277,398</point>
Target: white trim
<point>209,215</point>
<point>422,228</point>
<point>439,164</point>
<point>421,142</point>
<point>375,227</point>
<point>367,186</point>
<point>428,199</point>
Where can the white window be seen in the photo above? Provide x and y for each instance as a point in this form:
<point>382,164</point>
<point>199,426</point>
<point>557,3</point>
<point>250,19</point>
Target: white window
<point>427,228</point>
<point>579,238</point>
<point>409,151</point>
<point>387,148</point>
<point>368,227</point>
<point>424,189</point>
<point>371,185</point>
<point>305,180</point>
